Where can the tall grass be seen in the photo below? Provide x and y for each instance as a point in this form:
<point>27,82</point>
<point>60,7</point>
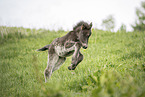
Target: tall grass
<point>113,66</point>
<point>15,33</point>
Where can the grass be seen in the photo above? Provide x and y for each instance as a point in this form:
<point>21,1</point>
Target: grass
<point>113,66</point>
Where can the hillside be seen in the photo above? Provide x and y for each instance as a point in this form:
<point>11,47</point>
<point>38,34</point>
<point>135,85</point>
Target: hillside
<point>113,65</point>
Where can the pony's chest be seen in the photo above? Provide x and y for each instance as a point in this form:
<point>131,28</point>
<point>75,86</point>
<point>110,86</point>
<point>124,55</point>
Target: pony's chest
<point>64,50</point>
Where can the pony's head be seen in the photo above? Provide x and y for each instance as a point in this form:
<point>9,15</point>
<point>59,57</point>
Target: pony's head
<point>84,32</point>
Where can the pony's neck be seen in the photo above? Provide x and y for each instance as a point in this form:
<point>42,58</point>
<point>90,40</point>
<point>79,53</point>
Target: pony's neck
<point>77,30</point>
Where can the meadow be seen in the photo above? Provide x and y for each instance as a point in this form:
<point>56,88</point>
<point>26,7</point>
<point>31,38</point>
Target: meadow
<point>113,65</point>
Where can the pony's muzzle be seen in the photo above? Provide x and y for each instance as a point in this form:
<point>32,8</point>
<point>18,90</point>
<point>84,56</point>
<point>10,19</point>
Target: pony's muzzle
<point>85,46</point>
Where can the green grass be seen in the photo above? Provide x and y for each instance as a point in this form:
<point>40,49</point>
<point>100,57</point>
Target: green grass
<point>113,66</point>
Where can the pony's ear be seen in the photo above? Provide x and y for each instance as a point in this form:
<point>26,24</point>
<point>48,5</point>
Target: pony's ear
<point>82,27</point>
<point>91,24</point>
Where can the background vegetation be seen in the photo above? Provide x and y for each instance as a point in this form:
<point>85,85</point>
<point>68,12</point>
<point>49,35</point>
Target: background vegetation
<point>140,21</point>
<point>113,65</point>
<point>108,24</point>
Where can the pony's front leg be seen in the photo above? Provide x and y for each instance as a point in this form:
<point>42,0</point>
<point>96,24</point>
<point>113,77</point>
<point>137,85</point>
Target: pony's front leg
<point>76,58</point>
<point>76,61</point>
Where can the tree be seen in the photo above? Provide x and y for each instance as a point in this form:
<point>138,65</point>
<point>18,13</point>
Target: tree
<point>140,22</point>
<point>122,28</point>
<point>109,23</point>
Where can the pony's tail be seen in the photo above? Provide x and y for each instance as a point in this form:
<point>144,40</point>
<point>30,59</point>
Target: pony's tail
<point>43,48</point>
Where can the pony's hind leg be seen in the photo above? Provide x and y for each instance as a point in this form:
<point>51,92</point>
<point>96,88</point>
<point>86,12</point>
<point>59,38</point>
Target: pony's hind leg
<point>52,60</point>
<point>61,60</point>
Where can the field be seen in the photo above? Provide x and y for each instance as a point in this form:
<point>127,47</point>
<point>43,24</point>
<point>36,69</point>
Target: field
<point>113,65</point>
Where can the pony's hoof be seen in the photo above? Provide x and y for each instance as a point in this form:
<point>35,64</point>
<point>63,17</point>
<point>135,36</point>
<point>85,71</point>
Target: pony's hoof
<point>69,68</point>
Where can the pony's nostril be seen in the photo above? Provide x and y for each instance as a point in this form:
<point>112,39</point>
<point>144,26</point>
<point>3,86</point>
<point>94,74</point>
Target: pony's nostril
<point>85,47</point>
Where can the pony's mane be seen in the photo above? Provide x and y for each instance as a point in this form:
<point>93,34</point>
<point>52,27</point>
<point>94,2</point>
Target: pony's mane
<point>80,24</point>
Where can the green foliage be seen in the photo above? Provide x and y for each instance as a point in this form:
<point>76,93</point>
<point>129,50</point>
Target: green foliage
<point>109,23</point>
<point>140,22</point>
<point>109,83</point>
<point>122,28</point>
<point>113,66</point>
<point>14,33</point>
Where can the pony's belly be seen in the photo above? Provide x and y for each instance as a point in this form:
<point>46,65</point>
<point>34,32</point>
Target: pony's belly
<point>64,52</point>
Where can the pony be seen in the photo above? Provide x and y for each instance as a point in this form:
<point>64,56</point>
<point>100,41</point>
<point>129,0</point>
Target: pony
<point>69,44</point>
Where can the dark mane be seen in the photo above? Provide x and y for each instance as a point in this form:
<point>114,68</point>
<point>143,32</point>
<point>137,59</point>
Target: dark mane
<point>80,24</point>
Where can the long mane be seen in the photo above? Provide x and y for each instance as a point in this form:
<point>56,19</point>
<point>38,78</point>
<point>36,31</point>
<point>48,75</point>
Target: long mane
<point>80,24</point>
